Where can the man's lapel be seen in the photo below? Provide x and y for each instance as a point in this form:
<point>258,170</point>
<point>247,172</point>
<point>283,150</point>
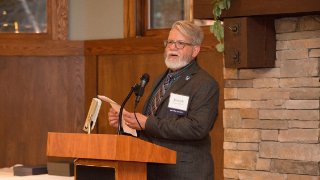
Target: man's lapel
<point>154,86</point>
<point>184,78</point>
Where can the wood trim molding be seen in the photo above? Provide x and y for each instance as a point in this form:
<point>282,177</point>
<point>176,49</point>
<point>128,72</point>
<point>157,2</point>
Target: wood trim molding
<point>142,45</point>
<point>129,18</point>
<point>203,8</point>
<point>21,47</point>
<point>59,19</point>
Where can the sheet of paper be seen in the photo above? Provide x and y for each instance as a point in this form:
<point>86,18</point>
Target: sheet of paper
<point>117,107</point>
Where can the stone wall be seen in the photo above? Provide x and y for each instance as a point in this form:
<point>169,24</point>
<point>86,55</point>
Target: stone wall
<point>271,115</point>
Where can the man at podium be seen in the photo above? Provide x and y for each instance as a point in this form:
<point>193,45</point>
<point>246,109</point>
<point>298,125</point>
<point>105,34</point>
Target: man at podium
<point>181,109</point>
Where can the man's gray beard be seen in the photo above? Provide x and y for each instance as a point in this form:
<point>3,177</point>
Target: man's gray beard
<point>183,61</point>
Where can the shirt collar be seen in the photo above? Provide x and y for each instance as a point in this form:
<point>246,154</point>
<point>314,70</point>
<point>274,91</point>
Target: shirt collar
<point>178,72</point>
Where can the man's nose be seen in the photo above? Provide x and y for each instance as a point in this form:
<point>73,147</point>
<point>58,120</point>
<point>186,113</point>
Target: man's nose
<point>173,46</point>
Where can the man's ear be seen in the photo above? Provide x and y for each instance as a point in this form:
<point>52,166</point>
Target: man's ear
<point>195,51</point>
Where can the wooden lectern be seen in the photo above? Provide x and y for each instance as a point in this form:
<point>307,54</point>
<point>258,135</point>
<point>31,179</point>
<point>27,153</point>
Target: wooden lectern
<point>127,155</point>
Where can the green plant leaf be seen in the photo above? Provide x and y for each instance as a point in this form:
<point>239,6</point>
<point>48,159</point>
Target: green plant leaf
<point>222,32</point>
<point>215,30</point>
<point>214,11</point>
<point>221,5</point>
<point>213,2</point>
<point>229,3</point>
<point>216,33</point>
<point>218,12</point>
<point>225,3</point>
<point>220,47</point>
<point>220,29</point>
<point>212,28</point>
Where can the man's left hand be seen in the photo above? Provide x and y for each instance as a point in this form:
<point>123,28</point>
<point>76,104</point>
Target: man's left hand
<point>131,121</point>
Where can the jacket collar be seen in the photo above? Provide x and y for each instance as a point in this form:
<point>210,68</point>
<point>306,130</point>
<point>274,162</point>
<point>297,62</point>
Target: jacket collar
<point>184,78</point>
<point>190,72</point>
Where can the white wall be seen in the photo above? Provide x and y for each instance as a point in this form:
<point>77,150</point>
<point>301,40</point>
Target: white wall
<point>95,19</point>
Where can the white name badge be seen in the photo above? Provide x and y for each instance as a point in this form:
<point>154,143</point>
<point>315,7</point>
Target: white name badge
<point>178,104</point>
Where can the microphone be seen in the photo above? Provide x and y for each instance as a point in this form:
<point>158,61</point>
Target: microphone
<point>143,82</point>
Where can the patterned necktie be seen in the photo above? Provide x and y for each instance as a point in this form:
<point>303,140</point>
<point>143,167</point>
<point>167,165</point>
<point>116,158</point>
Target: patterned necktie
<point>159,95</point>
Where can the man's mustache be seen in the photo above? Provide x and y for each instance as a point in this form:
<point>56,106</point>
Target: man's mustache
<point>173,52</point>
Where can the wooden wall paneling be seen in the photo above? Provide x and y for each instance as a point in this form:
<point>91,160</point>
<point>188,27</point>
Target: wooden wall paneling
<point>203,8</point>
<point>212,62</point>
<point>59,19</point>
<point>91,85</point>
<point>116,75</point>
<point>40,48</point>
<point>38,95</point>
<point>27,36</point>
<point>142,45</point>
<point>129,14</point>
<point>261,7</point>
<point>254,44</point>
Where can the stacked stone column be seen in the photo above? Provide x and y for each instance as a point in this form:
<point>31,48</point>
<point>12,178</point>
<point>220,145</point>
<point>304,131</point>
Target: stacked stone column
<point>271,115</point>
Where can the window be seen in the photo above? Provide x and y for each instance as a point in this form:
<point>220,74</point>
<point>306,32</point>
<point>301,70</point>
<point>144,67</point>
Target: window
<point>23,16</point>
<point>162,14</point>
<point>25,19</point>
<point>155,17</point>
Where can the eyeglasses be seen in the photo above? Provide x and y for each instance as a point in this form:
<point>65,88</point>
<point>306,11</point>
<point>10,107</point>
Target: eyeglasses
<point>178,44</point>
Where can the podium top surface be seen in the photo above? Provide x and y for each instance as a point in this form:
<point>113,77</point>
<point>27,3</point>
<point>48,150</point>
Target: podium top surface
<point>107,147</point>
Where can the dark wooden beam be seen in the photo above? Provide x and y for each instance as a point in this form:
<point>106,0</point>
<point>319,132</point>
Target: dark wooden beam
<point>20,47</point>
<point>239,8</point>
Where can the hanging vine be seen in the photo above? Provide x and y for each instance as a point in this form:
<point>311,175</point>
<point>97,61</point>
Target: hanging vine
<point>217,27</point>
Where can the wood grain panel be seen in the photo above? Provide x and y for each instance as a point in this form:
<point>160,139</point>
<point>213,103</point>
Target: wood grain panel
<point>26,36</point>
<point>107,147</point>
<point>38,95</point>
<point>90,85</point>
<point>203,8</point>
<point>143,151</point>
<point>89,146</point>
<point>116,75</point>
<point>129,14</point>
<point>212,62</point>
<point>139,45</point>
<point>141,17</point>
<point>40,48</point>
<point>59,19</point>
<point>142,45</point>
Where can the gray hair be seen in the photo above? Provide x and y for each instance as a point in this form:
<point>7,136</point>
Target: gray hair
<point>191,31</point>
